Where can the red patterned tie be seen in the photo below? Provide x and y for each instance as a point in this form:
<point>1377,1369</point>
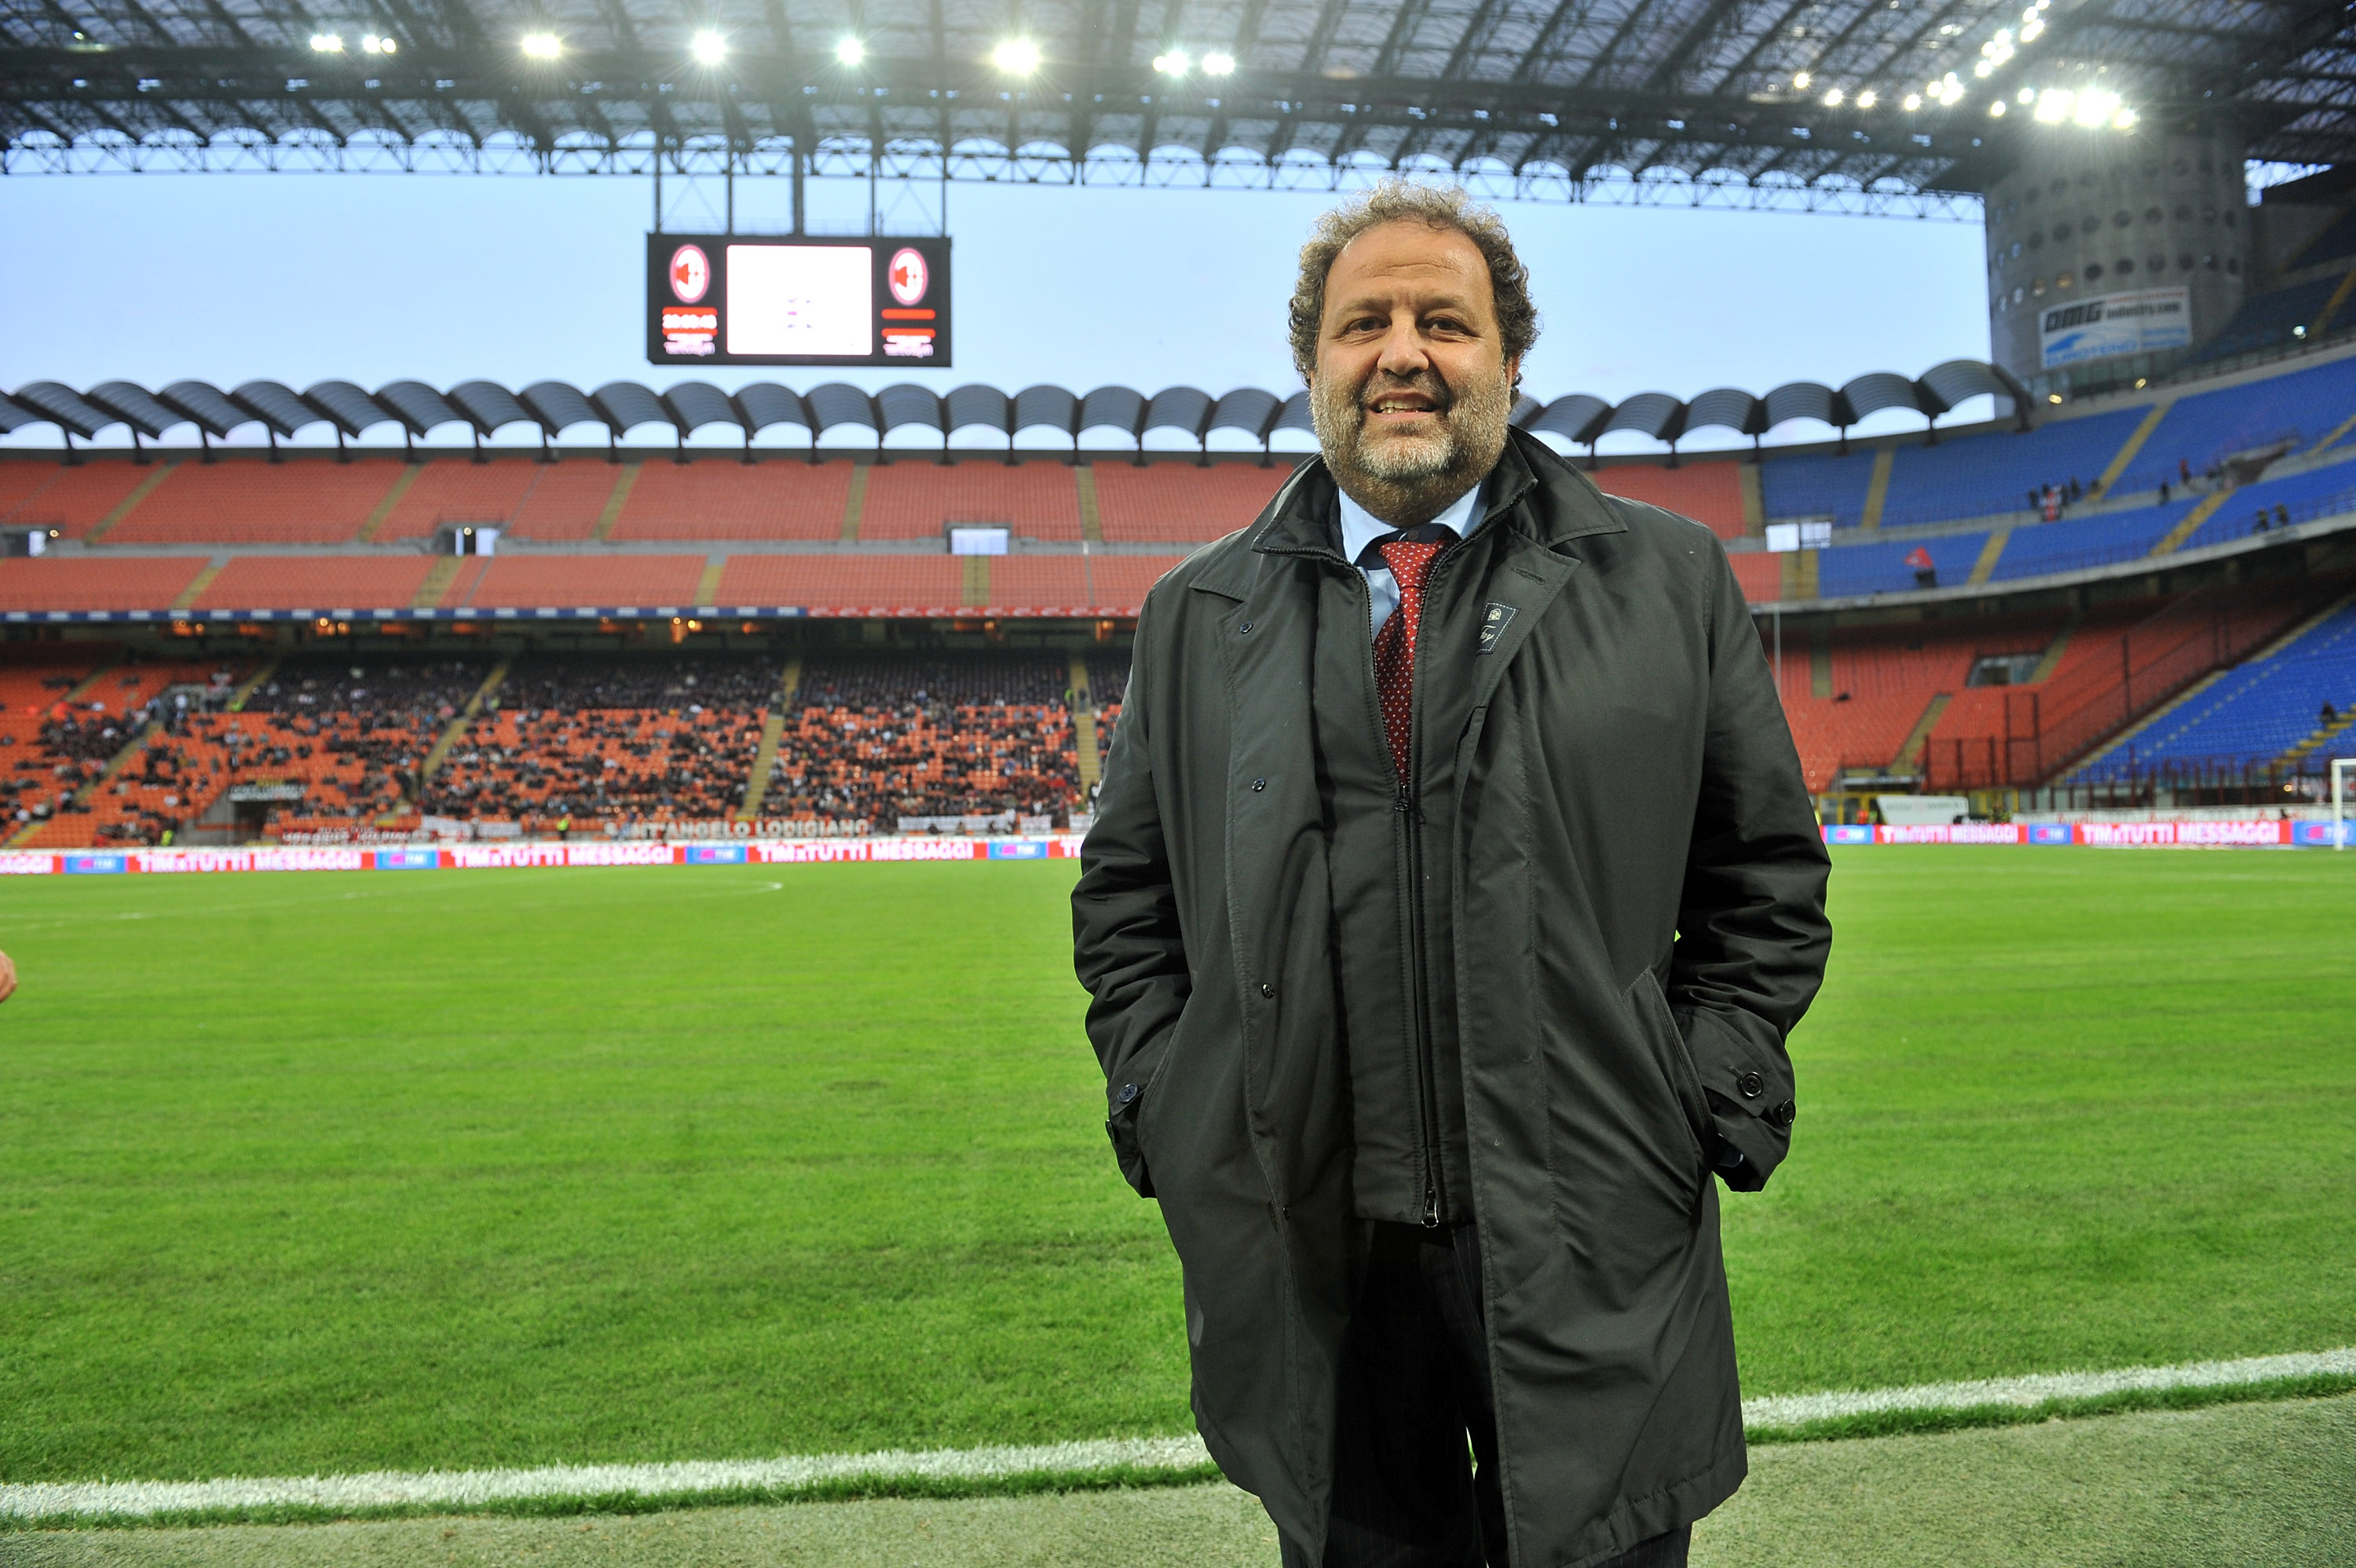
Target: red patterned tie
<point>1410,563</point>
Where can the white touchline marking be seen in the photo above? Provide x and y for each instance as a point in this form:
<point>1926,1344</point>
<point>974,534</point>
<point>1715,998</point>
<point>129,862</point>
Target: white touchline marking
<point>470,1489</point>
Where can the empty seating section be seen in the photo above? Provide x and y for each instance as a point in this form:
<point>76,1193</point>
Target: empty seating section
<point>1849,570</point>
<point>1709,492</point>
<point>2318,492</point>
<point>1979,476</point>
<point>2272,318</point>
<point>316,582</point>
<point>128,582</point>
<point>918,499</point>
<point>244,501</point>
<point>1178,503</point>
<point>1761,575</point>
<point>2302,406</point>
<point>2257,713</point>
<point>567,500</point>
<point>2076,543</point>
<point>449,490</point>
<point>723,498</point>
<point>2335,243</point>
<point>1880,684</point>
<point>879,739</point>
<point>1817,486</point>
<point>72,500</point>
<point>922,584</point>
<point>1122,580</point>
<point>1039,582</point>
<point>526,583</point>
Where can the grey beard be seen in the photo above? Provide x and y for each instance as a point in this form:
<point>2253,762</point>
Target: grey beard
<point>1408,482</point>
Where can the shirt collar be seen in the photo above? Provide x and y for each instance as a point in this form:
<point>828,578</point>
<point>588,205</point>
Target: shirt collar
<point>1361,527</point>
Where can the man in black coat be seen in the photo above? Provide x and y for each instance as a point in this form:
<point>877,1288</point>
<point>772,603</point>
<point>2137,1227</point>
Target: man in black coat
<point>1451,891</point>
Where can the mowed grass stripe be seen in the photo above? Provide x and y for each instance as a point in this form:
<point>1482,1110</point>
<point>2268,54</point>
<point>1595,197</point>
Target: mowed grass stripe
<point>330,1175</point>
<point>1055,1466</point>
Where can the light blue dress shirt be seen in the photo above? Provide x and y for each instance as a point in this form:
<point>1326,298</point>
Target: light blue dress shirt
<point>1361,527</point>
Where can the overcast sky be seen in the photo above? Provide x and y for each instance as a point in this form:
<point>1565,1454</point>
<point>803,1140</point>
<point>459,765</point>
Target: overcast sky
<point>372,278</point>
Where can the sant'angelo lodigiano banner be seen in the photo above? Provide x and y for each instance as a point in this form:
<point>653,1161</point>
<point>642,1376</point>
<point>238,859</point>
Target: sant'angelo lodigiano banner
<point>2252,835</point>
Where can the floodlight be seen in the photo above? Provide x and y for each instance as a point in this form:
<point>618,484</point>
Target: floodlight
<point>1982,67</point>
<point>707,48</point>
<point>374,45</point>
<point>849,51</point>
<point>1801,80</point>
<point>2095,107</point>
<point>1995,109</point>
<point>1832,99</point>
<point>1910,102</point>
<point>2027,95</point>
<point>1867,99</point>
<point>2032,29</point>
<point>542,46</point>
<point>1173,63</point>
<point>1016,57</point>
<point>1218,63</point>
<point>2125,120</point>
<point>2054,105</point>
<point>327,44</point>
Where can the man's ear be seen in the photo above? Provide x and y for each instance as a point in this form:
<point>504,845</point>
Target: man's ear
<point>1514,374</point>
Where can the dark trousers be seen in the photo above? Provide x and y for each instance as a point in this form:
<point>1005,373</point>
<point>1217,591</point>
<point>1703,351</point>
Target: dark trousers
<point>1414,1391</point>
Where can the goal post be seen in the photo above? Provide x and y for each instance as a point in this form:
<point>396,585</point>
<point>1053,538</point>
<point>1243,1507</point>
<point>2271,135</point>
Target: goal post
<point>2340,768</point>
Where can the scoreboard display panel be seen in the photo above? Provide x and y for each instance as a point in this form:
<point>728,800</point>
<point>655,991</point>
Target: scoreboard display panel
<point>727,299</point>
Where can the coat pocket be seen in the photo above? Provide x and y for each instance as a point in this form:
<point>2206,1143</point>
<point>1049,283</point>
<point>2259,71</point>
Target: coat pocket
<point>1682,1078</point>
<point>1133,1103</point>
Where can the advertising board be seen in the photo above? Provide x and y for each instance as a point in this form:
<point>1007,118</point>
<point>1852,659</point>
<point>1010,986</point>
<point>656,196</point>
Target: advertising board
<point>2134,323</point>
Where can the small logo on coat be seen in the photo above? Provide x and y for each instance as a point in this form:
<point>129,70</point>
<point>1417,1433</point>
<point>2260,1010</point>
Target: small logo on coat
<point>1493,622</point>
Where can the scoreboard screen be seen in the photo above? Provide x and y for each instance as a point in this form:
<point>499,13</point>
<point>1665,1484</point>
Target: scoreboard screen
<point>723,299</point>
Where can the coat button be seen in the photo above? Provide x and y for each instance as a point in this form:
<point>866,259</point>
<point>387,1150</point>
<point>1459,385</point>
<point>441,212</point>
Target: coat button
<point>1246,627</point>
<point>1265,989</point>
<point>1782,1115</point>
<point>1751,1085</point>
<point>1127,1092</point>
<point>1259,784</point>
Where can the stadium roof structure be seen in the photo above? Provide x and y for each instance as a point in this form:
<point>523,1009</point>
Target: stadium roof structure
<point>1777,102</point>
<point>620,407</point>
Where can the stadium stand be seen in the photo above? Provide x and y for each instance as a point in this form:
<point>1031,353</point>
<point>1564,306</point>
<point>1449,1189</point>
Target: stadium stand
<point>584,742</point>
<point>1708,492</point>
<point>1816,485</point>
<point>129,582</point>
<point>725,498</point>
<point>449,490</point>
<point>1983,475</point>
<point>896,740</point>
<point>915,499</point>
<point>1170,502</point>
<point>2295,407</point>
<point>316,582</point>
<point>72,500</point>
<point>2076,543</point>
<point>569,499</point>
<point>1122,580</point>
<point>243,501</point>
<point>1039,583</point>
<point>874,584</point>
<point>1852,570</point>
<point>528,583</point>
<point>2257,713</point>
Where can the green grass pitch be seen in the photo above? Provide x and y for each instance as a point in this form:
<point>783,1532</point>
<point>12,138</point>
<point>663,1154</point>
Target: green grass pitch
<point>333,1172</point>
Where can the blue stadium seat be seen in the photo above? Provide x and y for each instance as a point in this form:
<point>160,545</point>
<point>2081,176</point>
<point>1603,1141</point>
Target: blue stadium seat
<point>2256,712</point>
<point>1817,486</point>
<point>1976,476</point>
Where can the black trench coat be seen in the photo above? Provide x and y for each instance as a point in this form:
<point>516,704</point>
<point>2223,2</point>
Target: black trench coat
<point>1638,887</point>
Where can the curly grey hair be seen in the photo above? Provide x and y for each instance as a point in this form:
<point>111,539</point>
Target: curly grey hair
<point>1397,201</point>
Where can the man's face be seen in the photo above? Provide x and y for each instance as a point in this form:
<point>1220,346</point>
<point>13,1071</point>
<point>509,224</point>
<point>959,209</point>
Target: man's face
<point>1412,391</point>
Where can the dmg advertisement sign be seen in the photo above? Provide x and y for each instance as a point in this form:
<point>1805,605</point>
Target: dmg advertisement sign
<point>2134,323</point>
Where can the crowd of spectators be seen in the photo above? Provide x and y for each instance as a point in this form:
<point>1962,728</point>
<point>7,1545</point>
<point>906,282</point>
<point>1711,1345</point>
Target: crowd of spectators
<point>878,739</point>
<point>565,743</point>
<point>337,744</point>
